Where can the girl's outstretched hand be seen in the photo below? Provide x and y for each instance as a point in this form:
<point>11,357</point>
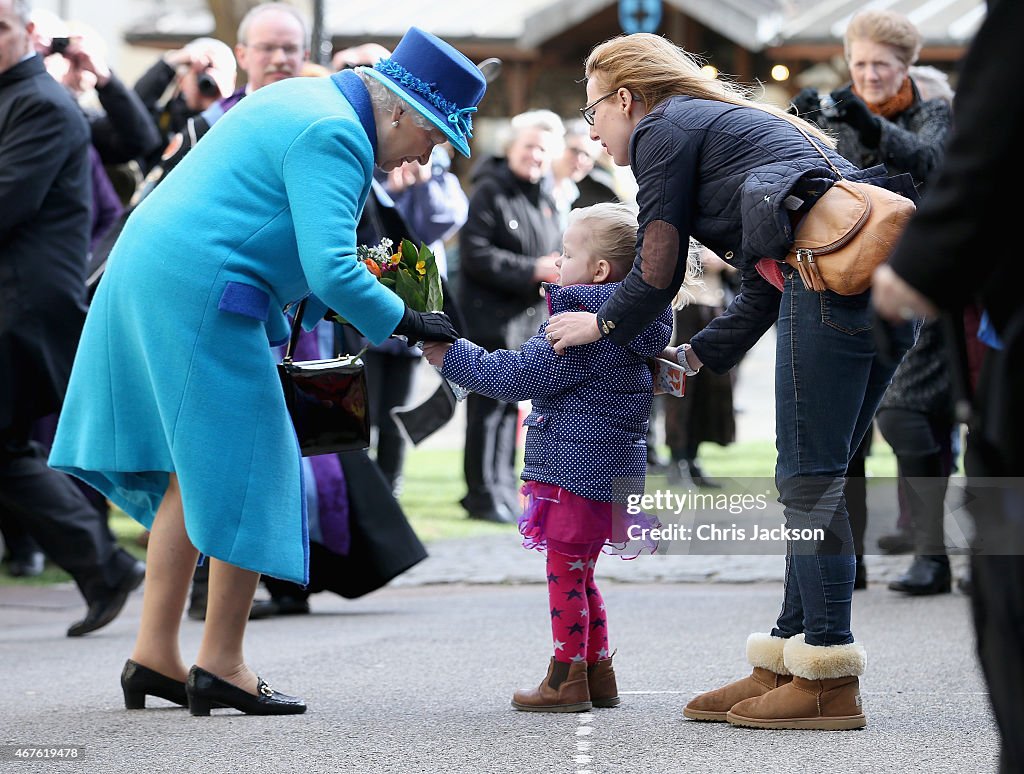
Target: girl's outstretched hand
<point>571,329</point>
<point>435,351</point>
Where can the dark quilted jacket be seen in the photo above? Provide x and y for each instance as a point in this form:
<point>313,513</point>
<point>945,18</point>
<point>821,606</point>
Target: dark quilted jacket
<point>588,425</point>
<point>721,174</point>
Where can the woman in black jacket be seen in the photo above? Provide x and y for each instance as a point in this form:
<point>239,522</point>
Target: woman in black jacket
<point>735,175</point>
<point>507,248</point>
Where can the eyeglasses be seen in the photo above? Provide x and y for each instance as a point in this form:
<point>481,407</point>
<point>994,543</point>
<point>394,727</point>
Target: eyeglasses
<point>589,110</point>
<point>269,48</point>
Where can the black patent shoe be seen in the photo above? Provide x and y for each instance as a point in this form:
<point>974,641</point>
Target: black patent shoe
<point>138,682</point>
<point>106,607</point>
<point>206,691</point>
<point>926,575</point>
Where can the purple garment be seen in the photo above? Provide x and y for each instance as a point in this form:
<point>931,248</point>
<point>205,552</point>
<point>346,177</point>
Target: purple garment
<point>106,206</point>
<point>331,490</point>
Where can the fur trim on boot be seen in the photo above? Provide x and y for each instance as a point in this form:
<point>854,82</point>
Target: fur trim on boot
<point>765,651</point>
<point>765,654</point>
<point>828,662</point>
<point>824,692</point>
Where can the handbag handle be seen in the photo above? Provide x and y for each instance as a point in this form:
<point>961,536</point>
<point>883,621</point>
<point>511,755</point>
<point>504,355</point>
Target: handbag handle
<point>296,330</point>
<point>823,154</point>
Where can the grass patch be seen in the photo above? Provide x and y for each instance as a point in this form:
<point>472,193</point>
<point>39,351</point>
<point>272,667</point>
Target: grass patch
<point>433,485</point>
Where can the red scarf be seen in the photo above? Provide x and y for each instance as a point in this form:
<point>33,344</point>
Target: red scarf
<point>896,104</point>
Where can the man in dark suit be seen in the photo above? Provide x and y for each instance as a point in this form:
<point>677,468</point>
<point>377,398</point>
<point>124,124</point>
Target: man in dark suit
<point>958,249</point>
<point>45,194</point>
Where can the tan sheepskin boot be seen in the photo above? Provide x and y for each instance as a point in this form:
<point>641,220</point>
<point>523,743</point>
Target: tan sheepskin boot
<point>764,653</point>
<point>824,693</point>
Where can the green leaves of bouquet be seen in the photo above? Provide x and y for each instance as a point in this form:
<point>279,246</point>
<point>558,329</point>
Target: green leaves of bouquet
<point>411,273</point>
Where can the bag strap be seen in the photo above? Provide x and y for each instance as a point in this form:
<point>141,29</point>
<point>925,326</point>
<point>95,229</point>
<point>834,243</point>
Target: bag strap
<point>823,154</point>
<point>293,339</point>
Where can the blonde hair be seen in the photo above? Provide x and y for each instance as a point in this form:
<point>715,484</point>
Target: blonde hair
<point>653,69</point>
<point>611,230</point>
<point>611,233</point>
<point>889,28</point>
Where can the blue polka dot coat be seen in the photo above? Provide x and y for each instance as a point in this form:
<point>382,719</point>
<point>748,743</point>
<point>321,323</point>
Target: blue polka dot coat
<point>587,430</point>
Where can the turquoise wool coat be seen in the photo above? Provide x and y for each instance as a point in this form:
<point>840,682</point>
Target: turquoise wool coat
<point>174,371</point>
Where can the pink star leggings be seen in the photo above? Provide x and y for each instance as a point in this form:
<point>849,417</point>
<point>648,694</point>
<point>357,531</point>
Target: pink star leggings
<point>578,621</point>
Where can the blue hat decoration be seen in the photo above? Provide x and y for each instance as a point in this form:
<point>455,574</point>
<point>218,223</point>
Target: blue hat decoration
<point>440,82</point>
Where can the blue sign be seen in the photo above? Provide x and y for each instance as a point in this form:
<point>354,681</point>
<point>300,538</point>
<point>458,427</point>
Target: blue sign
<point>639,15</point>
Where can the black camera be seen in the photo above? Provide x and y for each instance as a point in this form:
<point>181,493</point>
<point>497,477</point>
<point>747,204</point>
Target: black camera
<point>207,86</point>
<point>59,45</point>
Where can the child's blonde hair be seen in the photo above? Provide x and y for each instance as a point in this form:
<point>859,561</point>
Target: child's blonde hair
<point>611,233</point>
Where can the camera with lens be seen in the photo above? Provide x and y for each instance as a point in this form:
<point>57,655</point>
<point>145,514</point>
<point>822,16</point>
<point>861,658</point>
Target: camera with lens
<point>207,85</point>
<point>828,106</point>
<point>59,45</point>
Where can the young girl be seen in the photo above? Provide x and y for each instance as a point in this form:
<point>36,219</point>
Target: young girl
<point>585,449</point>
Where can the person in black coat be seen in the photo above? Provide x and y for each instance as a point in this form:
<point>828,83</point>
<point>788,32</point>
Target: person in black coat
<point>507,247</point>
<point>958,249</point>
<point>45,194</point>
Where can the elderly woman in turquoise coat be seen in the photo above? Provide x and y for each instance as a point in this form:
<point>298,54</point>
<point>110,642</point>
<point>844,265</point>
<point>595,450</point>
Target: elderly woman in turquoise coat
<point>174,409</point>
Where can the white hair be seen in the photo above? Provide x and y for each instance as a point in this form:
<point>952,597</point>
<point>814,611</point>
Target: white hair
<point>384,100</point>
<point>252,13</point>
<point>544,120</point>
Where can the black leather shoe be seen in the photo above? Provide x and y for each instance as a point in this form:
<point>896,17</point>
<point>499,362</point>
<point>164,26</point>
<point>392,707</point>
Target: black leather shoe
<point>28,566</point>
<point>138,681</point>
<point>896,543</point>
<point>105,609</point>
<point>926,575</point>
<point>499,514</point>
<point>206,691</point>
<point>699,477</point>
<point>860,579</point>
<point>267,608</point>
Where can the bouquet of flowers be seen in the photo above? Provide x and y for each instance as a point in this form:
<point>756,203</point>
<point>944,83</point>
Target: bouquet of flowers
<point>412,275</point>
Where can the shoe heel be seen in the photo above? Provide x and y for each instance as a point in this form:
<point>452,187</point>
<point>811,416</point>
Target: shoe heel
<point>199,706</point>
<point>134,700</point>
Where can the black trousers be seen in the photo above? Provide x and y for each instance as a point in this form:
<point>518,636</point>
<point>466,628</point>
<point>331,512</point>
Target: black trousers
<point>55,513</point>
<point>489,461</point>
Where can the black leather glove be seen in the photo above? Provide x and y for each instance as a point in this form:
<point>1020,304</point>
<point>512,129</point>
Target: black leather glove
<point>807,102</point>
<point>426,326</point>
<point>851,110</point>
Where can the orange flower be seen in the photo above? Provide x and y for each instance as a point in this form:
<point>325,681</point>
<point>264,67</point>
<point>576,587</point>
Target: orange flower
<point>396,259</point>
<point>373,268</point>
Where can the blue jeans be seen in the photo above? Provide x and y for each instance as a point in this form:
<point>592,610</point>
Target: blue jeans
<point>829,381</point>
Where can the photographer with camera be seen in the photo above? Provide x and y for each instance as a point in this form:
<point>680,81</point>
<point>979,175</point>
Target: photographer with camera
<point>120,128</point>
<point>184,83</point>
<point>881,118</point>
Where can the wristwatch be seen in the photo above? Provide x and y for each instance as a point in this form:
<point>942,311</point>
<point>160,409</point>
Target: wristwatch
<point>681,359</point>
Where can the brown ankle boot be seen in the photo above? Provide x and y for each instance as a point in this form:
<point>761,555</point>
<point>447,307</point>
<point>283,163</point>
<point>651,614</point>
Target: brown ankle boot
<point>764,653</point>
<point>563,689</point>
<point>824,693</point>
<point>601,682</point>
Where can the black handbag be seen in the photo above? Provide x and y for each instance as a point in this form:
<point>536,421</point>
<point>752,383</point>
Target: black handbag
<point>327,399</point>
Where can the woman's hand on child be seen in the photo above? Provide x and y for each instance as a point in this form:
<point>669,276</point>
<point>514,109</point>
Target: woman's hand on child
<point>435,352</point>
<point>571,329</point>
